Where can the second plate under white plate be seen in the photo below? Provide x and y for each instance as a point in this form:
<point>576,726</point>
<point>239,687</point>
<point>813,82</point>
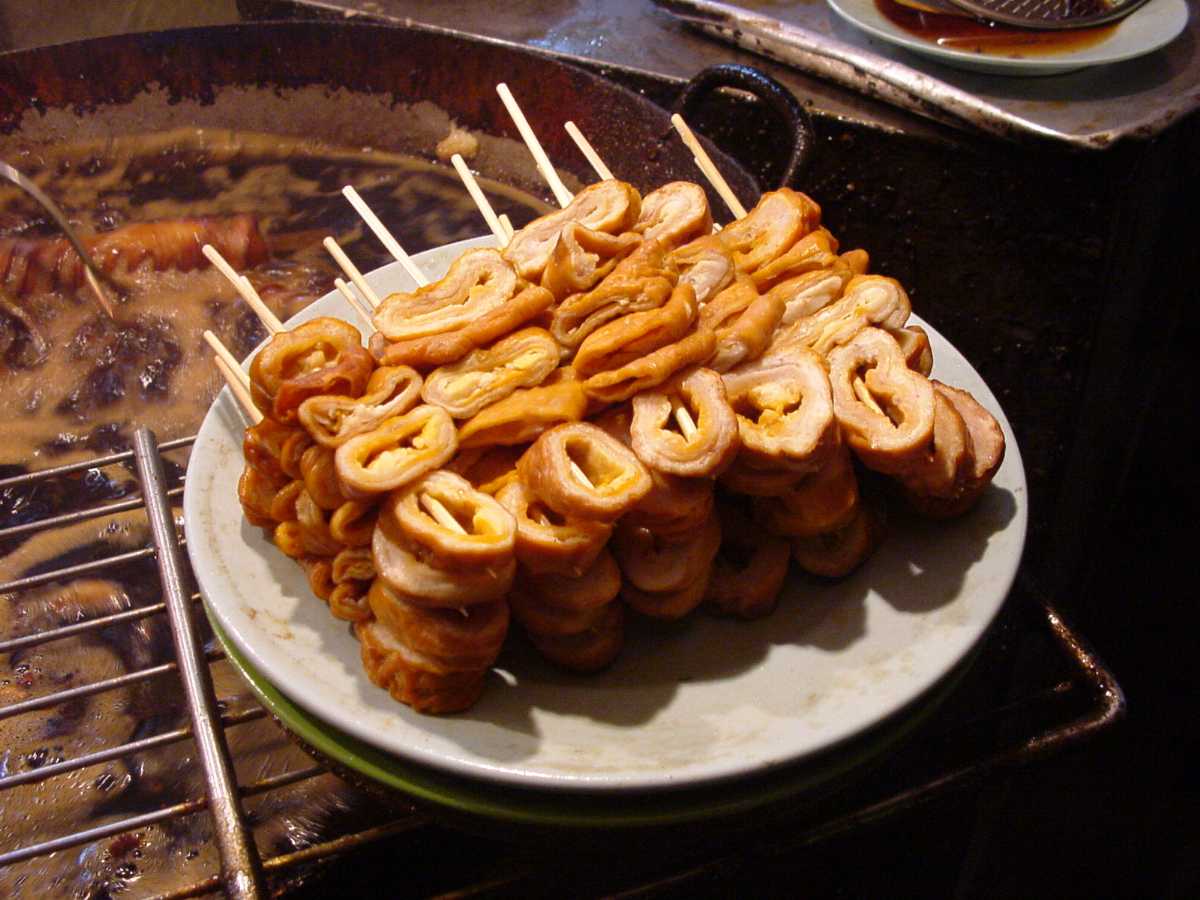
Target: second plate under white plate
<point>690,704</point>
<point>1145,30</point>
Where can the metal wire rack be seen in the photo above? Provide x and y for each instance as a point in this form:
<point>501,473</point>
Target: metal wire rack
<point>1084,700</point>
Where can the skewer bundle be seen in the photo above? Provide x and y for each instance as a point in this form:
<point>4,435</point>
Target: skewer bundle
<point>618,408</point>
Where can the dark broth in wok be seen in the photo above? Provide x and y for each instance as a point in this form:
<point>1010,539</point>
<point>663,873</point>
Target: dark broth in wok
<point>76,385</point>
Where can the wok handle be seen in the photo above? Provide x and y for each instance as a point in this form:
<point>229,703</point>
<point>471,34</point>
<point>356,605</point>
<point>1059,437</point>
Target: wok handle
<point>770,92</point>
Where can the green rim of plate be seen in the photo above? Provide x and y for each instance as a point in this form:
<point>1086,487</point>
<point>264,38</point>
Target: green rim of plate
<point>583,810</point>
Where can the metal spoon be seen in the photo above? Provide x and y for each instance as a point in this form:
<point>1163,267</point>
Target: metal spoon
<point>1049,15</point>
<point>91,274</point>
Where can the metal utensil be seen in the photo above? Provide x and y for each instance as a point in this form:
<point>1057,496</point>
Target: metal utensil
<point>1049,15</point>
<point>91,274</point>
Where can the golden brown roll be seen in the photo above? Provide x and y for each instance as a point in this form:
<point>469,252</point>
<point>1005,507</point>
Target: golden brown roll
<point>836,554</point>
<point>651,370</point>
<point>675,213</point>
<point>486,529</point>
<point>425,684</point>
<point>631,337</point>
<point>708,451</point>
<point>615,478</point>
<point>402,566</point>
<point>332,420</point>
<point>706,265</point>
<point>868,300</point>
<point>785,412</point>
<point>548,542</point>
<point>478,282</point>
<point>818,503</point>
<point>816,250</point>
<point>743,322</point>
<point>466,638</point>
<point>779,219</point>
<point>322,356</point>
<point>400,450</point>
<point>610,206</point>
<point>481,328</point>
<point>526,413</point>
<point>582,257</point>
<point>487,375</point>
<point>589,650</point>
<point>749,569</point>
<point>884,407</point>
<point>319,474</point>
<point>654,565</point>
<point>256,493</point>
<point>642,280</point>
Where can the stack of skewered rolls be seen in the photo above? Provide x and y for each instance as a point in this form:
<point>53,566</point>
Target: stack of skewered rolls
<point>619,410</point>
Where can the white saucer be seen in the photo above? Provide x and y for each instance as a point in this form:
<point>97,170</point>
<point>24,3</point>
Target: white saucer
<point>1145,30</point>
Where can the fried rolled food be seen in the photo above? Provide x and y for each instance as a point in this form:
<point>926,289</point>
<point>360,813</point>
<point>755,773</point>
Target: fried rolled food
<point>914,344</point>
<point>313,521</point>
<point>618,385</point>
<point>488,468</point>
<point>673,506</point>
<point>706,265</point>
<point>400,565</point>
<point>424,683</point>
<point>785,412</point>
<point>761,479</point>
<point>708,451</point>
<point>642,280</point>
<point>31,266</point>
<point>318,571</point>
<point>818,503</point>
<point>743,321</point>
<point>985,441</point>
<point>669,605</point>
<point>348,601</point>
<point>547,542</point>
<point>526,413</point>
<point>779,219</point>
<point>322,356</point>
<point>868,300</point>
<point>633,336</point>
<point>283,506</point>
<point>616,479</point>
<point>610,206</point>
<point>256,492</point>
<point>477,282</point>
<point>399,451</point>
<point>814,251</point>
<point>263,447</point>
<point>590,650</point>
<point>449,346</point>
<point>466,638</point>
<point>582,257</point>
<point>318,471</point>
<point>332,420</point>
<point>676,213</point>
<point>806,295</point>
<point>486,533</point>
<point>835,554</point>
<point>354,564</point>
<point>885,409</point>
<point>486,375</point>
<point>654,565</point>
<point>557,604</point>
<point>749,569</point>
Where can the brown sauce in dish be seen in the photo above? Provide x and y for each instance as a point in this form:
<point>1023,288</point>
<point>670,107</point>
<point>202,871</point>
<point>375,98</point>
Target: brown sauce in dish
<point>969,35</point>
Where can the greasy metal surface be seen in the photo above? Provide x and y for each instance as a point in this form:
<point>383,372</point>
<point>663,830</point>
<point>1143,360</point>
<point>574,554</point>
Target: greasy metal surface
<point>241,870</point>
<point>1091,108</point>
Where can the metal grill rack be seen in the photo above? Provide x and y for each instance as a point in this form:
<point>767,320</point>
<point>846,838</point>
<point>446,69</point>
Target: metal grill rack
<point>1076,701</point>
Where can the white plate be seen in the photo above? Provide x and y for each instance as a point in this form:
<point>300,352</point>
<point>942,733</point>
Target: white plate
<point>1145,30</point>
<point>683,705</point>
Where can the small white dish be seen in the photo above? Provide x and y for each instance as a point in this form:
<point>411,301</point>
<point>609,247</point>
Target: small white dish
<point>694,704</point>
<point>1145,30</point>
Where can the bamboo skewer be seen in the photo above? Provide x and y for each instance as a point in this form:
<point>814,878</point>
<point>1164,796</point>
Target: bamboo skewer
<point>708,167</point>
<point>355,302</point>
<point>385,236</point>
<point>351,270</point>
<point>588,151</point>
<point>437,509</point>
<point>243,286</point>
<point>561,193</point>
<point>472,186</point>
<point>239,391</point>
<point>686,423</point>
<point>508,226</point>
<point>581,475</point>
<point>226,357</point>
